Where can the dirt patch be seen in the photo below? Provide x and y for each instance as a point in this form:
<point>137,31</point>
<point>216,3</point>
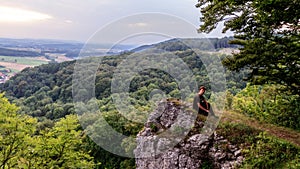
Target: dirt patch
<point>15,66</point>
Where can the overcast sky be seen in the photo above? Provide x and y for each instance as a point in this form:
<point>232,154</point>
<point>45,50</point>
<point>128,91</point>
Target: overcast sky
<point>81,19</point>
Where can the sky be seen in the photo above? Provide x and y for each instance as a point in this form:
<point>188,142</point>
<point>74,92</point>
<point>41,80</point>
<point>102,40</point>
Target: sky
<point>116,19</point>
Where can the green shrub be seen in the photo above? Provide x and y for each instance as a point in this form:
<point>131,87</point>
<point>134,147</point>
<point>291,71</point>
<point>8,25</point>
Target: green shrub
<point>259,149</point>
<point>269,152</point>
<point>268,103</point>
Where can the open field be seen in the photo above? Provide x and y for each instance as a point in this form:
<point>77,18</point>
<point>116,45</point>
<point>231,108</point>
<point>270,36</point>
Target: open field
<point>10,65</point>
<point>27,61</point>
<point>59,57</point>
<point>41,58</point>
<point>15,66</point>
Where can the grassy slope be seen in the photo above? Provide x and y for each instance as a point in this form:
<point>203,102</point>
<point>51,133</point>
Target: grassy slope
<point>264,145</point>
<point>277,131</point>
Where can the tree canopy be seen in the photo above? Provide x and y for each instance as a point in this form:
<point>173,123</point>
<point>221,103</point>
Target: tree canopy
<point>269,33</point>
<point>23,146</point>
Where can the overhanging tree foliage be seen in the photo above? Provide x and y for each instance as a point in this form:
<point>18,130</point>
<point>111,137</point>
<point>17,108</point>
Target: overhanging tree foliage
<point>269,33</point>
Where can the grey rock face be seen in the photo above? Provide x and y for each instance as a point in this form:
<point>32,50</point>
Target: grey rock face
<point>159,146</point>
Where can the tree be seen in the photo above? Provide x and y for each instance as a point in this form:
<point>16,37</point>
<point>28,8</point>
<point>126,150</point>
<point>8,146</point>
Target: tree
<point>269,33</point>
<point>62,146</point>
<point>22,146</point>
<point>16,131</point>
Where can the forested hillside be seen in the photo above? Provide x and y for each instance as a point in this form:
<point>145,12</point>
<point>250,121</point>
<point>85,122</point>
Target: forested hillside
<point>211,44</point>
<point>49,87</point>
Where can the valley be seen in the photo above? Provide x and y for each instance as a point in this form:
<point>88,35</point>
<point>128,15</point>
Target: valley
<point>43,96</point>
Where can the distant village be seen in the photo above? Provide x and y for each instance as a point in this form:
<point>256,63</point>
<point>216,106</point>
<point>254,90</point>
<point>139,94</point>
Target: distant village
<point>5,74</point>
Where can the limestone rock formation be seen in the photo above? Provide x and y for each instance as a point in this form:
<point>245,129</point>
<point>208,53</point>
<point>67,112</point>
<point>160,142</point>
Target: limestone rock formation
<point>173,137</point>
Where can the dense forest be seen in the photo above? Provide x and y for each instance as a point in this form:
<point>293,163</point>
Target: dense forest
<point>211,44</point>
<point>45,92</point>
<point>45,103</point>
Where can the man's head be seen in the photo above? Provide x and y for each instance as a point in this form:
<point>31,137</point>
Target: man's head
<point>201,90</point>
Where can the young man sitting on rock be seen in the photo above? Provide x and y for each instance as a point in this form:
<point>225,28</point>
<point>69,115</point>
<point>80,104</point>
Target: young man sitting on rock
<point>200,104</point>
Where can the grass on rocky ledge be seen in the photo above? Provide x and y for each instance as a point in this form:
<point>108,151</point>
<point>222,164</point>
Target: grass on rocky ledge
<point>277,131</point>
<point>264,145</point>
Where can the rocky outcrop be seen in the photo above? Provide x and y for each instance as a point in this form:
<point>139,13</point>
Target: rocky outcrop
<point>174,137</point>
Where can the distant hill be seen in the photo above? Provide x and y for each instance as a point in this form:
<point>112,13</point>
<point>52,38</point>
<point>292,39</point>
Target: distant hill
<point>20,53</point>
<point>70,49</point>
<point>178,44</point>
<point>27,43</point>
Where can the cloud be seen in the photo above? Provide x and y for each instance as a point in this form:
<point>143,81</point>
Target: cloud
<point>139,24</point>
<point>12,14</point>
<point>68,21</point>
<point>78,20</point>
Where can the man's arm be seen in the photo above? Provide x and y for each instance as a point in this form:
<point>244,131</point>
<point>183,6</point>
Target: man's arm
<point>202,108</point>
